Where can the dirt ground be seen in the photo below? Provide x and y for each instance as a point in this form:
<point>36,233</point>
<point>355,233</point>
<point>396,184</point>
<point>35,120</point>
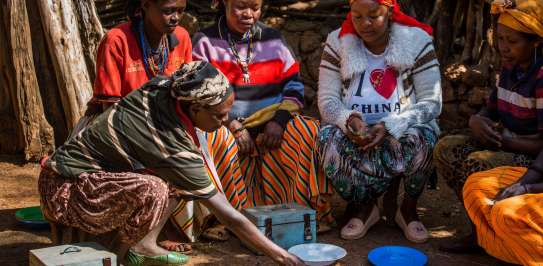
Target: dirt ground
<point>439,210</point>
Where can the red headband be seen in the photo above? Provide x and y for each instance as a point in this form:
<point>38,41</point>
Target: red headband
<point>397,16</point>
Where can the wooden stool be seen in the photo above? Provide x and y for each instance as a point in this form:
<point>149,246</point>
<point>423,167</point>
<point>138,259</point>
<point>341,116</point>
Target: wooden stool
<point>61,235</point>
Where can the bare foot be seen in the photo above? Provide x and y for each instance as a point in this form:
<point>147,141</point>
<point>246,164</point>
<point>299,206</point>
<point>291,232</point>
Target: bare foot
<point>176,246</point>
<point>149,250</point>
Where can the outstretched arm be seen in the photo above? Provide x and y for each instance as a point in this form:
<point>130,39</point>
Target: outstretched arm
<point>246,231</point>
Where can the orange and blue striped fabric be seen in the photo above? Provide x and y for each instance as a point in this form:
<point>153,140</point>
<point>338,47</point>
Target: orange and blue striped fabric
<point>224,151</point>
<point>290,173</point>
<point>512,229</point>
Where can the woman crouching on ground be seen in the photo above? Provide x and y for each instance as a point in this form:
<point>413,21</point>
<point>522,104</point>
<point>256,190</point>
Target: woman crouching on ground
<point>130,167</point>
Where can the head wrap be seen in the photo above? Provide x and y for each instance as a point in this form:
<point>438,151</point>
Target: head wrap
<point>521,15</point>
<point>397,16</point>
<point>200,82</point>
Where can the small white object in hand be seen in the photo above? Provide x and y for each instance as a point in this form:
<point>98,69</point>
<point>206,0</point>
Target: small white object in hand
<point>490,202</point>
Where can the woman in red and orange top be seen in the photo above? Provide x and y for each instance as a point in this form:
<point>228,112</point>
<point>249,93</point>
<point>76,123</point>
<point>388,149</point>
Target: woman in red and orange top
<point>132,53</point>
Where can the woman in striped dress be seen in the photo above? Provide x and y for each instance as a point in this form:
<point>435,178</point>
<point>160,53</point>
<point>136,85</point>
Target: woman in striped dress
<point>277,146</point>
<point>127,171</point>
<point>152,44</point>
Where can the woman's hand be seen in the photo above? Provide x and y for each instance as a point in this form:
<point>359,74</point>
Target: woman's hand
<point>357,131</point>
<point>290,260</point>
<point>513,190</point>
<point>272,136</point>
<point>378,134</point>
<point>484,130</point>
<point>245,143</point>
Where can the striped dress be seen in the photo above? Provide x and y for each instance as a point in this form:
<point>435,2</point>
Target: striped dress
<point>290,173</point>
<point>512,229</point>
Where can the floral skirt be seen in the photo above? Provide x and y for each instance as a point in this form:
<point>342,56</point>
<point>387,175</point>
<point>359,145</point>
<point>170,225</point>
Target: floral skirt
<point>97,203</point>
<point>360,177</point>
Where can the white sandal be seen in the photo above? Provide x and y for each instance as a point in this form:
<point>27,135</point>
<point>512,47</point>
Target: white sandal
<point>414,231</point>
<point>356,229</point>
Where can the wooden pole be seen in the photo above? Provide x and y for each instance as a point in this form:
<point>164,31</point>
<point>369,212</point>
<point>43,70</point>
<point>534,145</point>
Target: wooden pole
<point>60,24</point>
<point>33,135</point>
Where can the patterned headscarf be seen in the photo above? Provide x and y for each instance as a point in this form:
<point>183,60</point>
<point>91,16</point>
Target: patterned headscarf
<point>521,15</point>
<point>397,16</point>
<point>200,82</point>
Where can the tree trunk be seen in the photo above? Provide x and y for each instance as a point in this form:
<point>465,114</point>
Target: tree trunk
<point>32,135</point>
<point>60,24</point>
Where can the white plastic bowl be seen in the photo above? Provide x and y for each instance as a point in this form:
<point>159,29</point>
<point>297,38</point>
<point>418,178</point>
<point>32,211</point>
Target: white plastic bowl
<point>318,254</point>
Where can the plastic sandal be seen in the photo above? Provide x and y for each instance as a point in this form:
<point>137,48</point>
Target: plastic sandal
<point>173,258</point>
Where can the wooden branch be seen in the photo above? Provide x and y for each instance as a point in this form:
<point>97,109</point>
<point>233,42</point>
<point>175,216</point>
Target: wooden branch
<point>470,33</point>
<point>61,29</point>
<point>479,31</point>
<point>435,11</point>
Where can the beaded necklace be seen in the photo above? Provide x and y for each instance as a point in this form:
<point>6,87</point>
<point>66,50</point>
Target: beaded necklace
<point>243,64</point>
<point>153,68</point>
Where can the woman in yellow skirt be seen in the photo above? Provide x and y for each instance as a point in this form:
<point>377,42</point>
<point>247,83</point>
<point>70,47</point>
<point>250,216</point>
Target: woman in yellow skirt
<point>506,206</point>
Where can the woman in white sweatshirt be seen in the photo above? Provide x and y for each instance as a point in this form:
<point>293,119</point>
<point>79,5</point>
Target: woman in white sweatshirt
<point>379,97</point>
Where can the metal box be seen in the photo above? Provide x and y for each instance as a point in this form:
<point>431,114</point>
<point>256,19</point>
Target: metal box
<point>80,254</point>
<point>286,225</point>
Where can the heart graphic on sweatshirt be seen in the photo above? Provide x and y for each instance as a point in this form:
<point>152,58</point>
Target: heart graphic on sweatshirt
<point>384,81</point>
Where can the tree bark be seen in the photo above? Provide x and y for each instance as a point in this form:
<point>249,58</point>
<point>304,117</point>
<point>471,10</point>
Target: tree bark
<point>33,136</point>
<point>60,24</point>
<point>47,80</point>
